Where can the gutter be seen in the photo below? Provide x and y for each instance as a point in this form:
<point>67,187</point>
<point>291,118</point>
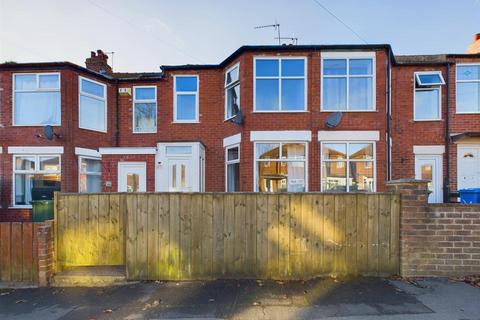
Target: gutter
<point>388,93</point>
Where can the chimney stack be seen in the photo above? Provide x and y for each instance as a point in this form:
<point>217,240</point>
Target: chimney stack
<point>475,46</point>
<point>98,61</point>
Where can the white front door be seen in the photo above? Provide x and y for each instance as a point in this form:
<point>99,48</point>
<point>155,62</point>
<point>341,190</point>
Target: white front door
<point>468,167</point>
<point>179,175</point>
<point>430,168</point>
<point>132,177</point>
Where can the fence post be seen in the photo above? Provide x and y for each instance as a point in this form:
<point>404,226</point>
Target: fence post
<point>45,252</point>
<point>413,212</point>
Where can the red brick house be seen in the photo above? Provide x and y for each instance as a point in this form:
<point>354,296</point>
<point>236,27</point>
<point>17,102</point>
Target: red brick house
<point>261,120</point>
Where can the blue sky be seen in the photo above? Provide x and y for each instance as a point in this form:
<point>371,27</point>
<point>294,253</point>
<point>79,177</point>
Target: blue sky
<point>146,34</point>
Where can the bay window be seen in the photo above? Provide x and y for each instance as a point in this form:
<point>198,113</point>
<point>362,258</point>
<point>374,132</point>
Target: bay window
<point>348,166</point>
<point>36,99</point>
<point>468,88</point>
<point>34,171</point>
<point>280,84</point>
<point>144,109</point>
<point>92,105</point>
<point>186,99</point>
<point>348,83</point>
<point>281,167</point>
<point>90,175</point>
<point>232,165</point>
<point>232,92</point>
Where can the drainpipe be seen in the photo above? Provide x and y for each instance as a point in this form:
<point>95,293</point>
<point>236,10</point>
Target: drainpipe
<point>446,182</point>
<point>388,92</point>
<point>117,116</point>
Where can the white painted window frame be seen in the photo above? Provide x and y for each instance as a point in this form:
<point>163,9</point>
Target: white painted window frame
<point>228,162</point>
<point>280,78</point>
<point>35,171</point>
<point>134,103</point>
<point>419,73</point>
<point>427,88</point>
<point>347,161</point>
<point>86,94</point>
<point>348,56</point>
<point>38,89</point>
<point>231,85</point>
<point>192,93</point>
<point>87,173</point>
<point>255,159</point>
<point>465,81</point>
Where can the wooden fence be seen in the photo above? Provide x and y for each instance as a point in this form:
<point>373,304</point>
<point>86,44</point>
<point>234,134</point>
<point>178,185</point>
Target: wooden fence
<point>170,236</point>
<point>18,252</point>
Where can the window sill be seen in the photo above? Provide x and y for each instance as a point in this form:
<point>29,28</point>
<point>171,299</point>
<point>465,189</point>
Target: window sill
<point>185,122</point>
<point>427,120</point>
<point>20,207</point>
<point>469,112</point>
<point>346,111</point>
<point>281,111</point>
<point>99,131</point>
<point>36,125</point>
<point>145,132</point>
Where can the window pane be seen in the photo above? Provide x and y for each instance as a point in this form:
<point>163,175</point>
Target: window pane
<point>232,154</point>
<point>334,176</point>
<point>92,113</point>
<point>293,151</point>
<point>361,176</point>
<point>360,94</point>
<point>145,117</point>
<point>293,94</point>
<point>334,151</point>
<point>468,72</point>
<point>295,175</point>
<point>24,163</point>
<point>233,100</point>
<point>233,177</point>
<point>133,182</point>
<point>232,75</point>
<point>37,108</point>
<point>145,93</point>
<point>334,67</point>
<point>25,182</point>
<point>186,84</point>
<point>266,95</point>
<point>186,107</point>
<point>334,93</point>
<point>266,68</point>
<point>91,165</point>
<point>49,81</point>
<point>92,88</point>
<point>427,104</point>
<point>281,176</point>
<point>361,67</point>
<point>430,79</point>
<point>173,150</point>
<point>25,82</point>
<point>360,151</point>
<point>293,67</point>
<point>268,150</point>
<point>468,97</point>
<point>49,163</point>
<point>90,183</point>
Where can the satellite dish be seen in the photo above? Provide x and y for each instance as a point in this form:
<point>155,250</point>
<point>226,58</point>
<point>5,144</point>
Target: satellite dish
<point>334,119</point>
<point>48,132</point>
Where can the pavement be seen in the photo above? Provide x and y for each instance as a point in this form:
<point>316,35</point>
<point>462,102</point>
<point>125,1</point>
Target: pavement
<point>324,298</point>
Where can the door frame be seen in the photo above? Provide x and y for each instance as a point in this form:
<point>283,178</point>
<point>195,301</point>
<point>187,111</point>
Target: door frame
<point>438,174</point>
<point>126,164</point>
<point>461,146</point>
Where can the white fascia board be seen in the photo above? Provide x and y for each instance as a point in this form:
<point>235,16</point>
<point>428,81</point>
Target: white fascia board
<point>139,150</point>
<point>35,150</point>
<point>284,135</point>
<point>348,135</point>
<point>439,149</point>
<point>348,54</point>
<point>87,152</point>
<point>231,140</point>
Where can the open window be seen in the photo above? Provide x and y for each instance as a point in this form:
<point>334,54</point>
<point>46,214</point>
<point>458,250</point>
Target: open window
<point>429,78</point>
<point>428,96</point>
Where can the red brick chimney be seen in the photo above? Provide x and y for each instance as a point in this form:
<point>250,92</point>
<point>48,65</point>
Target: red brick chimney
<point>98,62</point>
<point>475,46</point>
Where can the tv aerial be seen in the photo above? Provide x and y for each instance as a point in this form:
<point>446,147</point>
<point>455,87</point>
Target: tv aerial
<point>276,26</point>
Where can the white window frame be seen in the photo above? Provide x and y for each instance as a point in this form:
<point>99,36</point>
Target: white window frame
<point>279,78</point>
<point>196,94</point>
<point>135,101</point>
<point>104,99</point>
<point>464,81</point>
<point>227,162</point>
<point>347,162</point>
<point>59,90</point>
<point>36,171</point>
<point>255,159</point>
<point>80,158</point>
<point>348,56</point>
<point>230,86</point>
<point>416,88</point>
<point>419,73</point>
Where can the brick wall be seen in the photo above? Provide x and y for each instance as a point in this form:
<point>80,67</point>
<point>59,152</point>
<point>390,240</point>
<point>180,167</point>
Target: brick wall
<point>436,239</point>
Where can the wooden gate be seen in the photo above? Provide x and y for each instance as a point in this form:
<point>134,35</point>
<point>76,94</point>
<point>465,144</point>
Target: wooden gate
<point>172,236</point>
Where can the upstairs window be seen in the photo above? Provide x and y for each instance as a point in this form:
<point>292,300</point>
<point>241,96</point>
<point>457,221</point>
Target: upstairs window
<point>144,109</point>
<point>348,84</point>
<point>280,84</point>
<point>427,101</point>
<point>468,88</point>
<point>36,99</point>
<point>93,105</point>
<point>232,92</point>
<point>186,99</point>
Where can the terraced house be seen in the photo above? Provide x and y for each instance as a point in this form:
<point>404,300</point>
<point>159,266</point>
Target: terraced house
<point>336,118</point>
